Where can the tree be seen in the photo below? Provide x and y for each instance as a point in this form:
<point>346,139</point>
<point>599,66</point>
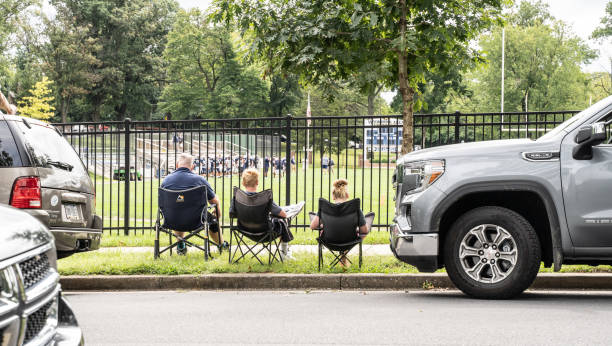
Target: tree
<point>132,35</point>
<point>605,30</point>
<point>434,93</point>
<point>285,93</point>
<point>330,41</point>
<point>205,77</point>
<point>10,10</point>
<point>38,105</point>
<point>602,33</point>
<point>542,65</point>
<point>69,59</point>
<point>18,72</point>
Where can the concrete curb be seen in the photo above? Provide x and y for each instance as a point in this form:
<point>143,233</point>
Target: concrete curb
<point>309,281</point>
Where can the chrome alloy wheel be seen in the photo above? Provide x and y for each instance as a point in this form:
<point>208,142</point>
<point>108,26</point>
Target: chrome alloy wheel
<point>488,253</point>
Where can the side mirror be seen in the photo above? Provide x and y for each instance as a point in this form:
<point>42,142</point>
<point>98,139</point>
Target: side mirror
<point>588,137</point>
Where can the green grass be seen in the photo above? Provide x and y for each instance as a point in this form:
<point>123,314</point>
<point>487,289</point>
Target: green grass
<point>117,262</point>
<point>371,185</point>
<point>122,263</point>
<point>301,237</point>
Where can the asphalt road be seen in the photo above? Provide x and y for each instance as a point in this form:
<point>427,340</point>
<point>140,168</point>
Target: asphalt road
<point>349,318</point>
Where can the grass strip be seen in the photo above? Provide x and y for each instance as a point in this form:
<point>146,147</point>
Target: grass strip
<point>146,238</point>
<point>129,263</point>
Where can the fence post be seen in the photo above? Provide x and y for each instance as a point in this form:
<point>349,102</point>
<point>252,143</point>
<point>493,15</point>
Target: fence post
<point>288,160</point>
<point>127,175</point>
<point>457,123</point>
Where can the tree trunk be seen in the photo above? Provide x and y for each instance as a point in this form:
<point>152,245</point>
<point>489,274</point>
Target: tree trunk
<point>121,110</point>
<point>64,110</point>
<point>371,98</point>
<point>405,89</point>
<point>96,113</point>
<point>407,116</point>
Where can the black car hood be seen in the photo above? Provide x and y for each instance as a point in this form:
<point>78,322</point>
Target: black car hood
<point>20,232</point>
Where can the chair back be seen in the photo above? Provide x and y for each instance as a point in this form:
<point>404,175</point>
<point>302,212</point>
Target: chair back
<point>183,210</point>
<point>252,210</point>
<point>340,221</point>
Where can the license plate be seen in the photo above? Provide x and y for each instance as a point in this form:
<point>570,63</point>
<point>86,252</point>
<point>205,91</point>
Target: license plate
<point>72,212</point>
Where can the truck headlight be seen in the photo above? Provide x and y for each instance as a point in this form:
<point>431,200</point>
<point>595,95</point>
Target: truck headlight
<point>419,175</point>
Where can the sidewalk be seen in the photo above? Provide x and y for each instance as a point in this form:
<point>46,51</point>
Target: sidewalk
<point>368,250</point>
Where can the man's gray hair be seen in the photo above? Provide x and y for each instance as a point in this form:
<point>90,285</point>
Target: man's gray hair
<point>184,160</point>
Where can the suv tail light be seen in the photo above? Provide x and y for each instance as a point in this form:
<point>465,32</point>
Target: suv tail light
<point>26,193</point>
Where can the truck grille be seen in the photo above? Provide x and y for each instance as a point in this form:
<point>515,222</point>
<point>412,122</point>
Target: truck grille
<point>36,322</point>
<point>34,270</point>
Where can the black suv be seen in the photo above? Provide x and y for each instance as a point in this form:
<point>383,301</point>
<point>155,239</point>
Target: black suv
<point>42,174</point>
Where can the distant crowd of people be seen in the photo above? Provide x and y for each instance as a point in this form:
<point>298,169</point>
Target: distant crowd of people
<point>236,165</point>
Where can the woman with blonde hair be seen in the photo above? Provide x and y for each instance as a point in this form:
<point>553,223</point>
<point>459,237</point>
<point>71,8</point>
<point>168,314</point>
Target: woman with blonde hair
<point>340,194</point>
<point>250,182</point>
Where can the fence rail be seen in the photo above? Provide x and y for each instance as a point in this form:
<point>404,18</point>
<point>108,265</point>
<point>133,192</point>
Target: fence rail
<point>127,160</point>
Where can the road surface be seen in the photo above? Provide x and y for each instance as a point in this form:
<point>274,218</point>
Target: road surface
<point>346,318</point>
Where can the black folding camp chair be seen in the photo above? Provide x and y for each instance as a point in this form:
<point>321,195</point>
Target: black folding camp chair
<point>340,225</point>
<point>183,211</point>
<point>252,214</point>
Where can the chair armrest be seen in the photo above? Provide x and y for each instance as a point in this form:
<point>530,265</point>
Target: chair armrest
<point>312,215</point>
<point>369,217</point>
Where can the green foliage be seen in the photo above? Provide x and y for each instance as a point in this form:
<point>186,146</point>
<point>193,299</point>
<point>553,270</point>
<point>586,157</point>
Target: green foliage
<point>542,66</point>
<point>206,79</point>
<point>39,104</point>
<point>11,12</point>
<point>285,94</point>
<point>70,60</point>
<point>605,30</point>
<point>325,42</point>
<point>603,81</point>
<point>132,36</point>
<point>18,66</point>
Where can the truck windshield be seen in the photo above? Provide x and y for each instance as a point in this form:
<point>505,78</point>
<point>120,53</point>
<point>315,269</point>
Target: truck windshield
<point>578,118</point>
<point>47,148</point>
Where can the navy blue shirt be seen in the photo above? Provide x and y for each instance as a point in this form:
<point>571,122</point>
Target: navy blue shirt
<point>183,179</point>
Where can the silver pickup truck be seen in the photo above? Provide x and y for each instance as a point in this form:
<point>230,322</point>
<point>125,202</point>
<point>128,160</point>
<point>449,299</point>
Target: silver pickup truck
<point>492,212</point>
<point>33,310</point>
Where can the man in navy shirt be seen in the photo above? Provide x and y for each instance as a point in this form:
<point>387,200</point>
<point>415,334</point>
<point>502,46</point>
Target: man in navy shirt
<point>182,179</point>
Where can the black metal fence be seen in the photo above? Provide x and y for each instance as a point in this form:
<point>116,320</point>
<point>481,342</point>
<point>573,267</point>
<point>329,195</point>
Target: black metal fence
<point>299,158</point>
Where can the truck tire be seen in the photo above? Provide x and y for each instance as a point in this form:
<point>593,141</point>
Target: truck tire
<point>492,253</point>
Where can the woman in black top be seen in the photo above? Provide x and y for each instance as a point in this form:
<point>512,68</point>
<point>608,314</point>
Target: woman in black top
<point>340,194</point>
<point>250,182</point>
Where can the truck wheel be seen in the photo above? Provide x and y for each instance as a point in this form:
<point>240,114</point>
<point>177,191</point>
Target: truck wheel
<point>492,253</point>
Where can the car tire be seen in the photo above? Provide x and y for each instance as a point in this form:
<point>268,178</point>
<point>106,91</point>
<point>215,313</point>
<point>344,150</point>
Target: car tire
<point>492,253</point>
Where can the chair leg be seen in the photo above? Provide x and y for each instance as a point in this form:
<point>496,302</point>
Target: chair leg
<point>320,257</point>
<point>156,246</point>
<point>230,246</point>
<point>170,242</point>
<point>269,252</point>
<point>360,255</point>
<point>206,244</point>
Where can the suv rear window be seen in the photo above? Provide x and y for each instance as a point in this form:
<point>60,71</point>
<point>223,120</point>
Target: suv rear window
<point>44,144</point>
<point>9,156</point>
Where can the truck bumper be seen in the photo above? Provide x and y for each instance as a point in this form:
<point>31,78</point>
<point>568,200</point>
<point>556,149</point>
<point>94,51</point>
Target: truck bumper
<point>417,249</point>
<point>68,332</point>
<point>71,240</point>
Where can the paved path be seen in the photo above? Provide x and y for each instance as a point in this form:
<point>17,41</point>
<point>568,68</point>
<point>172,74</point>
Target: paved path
<point>380,249</point>
<point>349,318</point>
